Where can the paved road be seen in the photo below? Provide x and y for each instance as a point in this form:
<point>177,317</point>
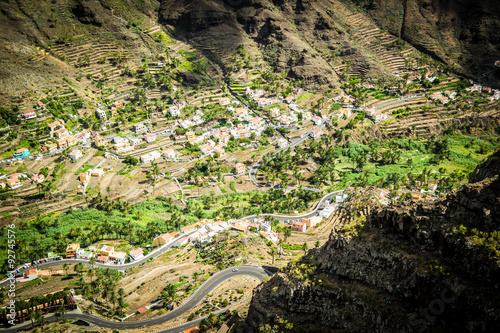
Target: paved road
<point>152,254</point>
<point>293,143</point>
<point>321,205</point>
<point>207,287</point>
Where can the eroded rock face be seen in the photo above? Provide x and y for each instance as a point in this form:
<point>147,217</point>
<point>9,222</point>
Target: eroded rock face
<point>412,268</point>
<point>487,169</point>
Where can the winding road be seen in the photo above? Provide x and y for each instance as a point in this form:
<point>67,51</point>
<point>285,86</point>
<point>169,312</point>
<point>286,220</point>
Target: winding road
<point>153,254</point>
<point>211,284</point>
<point>325,200</point>
<point>207,287</point>
<point>254,168</point>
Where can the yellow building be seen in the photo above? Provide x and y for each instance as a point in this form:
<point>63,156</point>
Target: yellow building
<point>72,249</point>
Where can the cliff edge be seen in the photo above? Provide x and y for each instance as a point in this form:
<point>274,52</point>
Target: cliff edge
<point>418,267</point>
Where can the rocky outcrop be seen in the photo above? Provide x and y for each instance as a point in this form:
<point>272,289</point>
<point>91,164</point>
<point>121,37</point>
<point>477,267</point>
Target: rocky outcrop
<point>487,169</point>
<point>418,267</point>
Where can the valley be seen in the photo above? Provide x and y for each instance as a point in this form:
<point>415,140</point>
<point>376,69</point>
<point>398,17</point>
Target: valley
<point>150,148</point>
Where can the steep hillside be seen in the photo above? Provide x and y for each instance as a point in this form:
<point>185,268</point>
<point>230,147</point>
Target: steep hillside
<point>42,43</point>
<point>487,169</point>
<point>430,267</point>
<point>320,43</point>
<point>463,33</point>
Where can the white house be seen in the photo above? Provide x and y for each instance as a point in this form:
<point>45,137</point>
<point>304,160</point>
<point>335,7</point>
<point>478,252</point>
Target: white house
<point>197,120</point>
<point>140,128</point>
<point>240,168</point>
<point>100,114</point>
<point>317,120</point>
<point>28,114</point>
<point>149,137</point>
<point>282,143</point>
<point>118,256</point>
<point>150,156</point>
<point>170,154</point>
<point>174,111</point>
<point>316,132</point>
<point>284,120</point>
<point>327,211</point>
<point>119,139</point>
<point>136,254</point>
<point>75,154</point>
<point>185,123</point>
<point>134,140</point>
<point>208,148</point>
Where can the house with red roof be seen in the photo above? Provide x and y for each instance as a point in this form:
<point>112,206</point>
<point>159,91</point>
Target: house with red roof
<point>136,254</point>
<point>28,114</point>
<point>299,226</point>
<point>31,274</point>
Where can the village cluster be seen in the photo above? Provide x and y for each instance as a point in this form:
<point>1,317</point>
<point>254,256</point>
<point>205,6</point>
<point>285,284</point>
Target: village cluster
<point>212,141</point>
<point>429,193</point>
<point>198,234</point>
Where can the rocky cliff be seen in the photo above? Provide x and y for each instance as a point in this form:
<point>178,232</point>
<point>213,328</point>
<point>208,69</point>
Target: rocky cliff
<point>487,169</point>
<point>418,267</point>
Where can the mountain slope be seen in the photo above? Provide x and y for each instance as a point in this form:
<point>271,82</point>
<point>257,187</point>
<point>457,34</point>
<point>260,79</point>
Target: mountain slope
<point>426,267</point>
<point>463,33</point>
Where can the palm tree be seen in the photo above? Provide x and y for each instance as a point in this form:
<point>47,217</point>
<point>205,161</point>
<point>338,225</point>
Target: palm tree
<point>273,252</point>
<point>305,247</point>
<point>91,308</point>
<point>287,233</point>
<point>66,267</point>
<point>32,316</point>
<point>318,244</point>
<point>62,310</point>
<point>113,299</point>
<point>40,319</point>
<point>91,273</point>
<point>121,292</point>
<point>195,276</point>
<point>79,267</point>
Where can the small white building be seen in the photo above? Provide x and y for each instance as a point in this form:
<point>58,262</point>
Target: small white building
<point>316,133</point>
<point>170,154</point>
<point>149,157</point>
<point>136,254</point>
<point>327,211</point>
<point>240,168</point>
<point>100,114</point>
<point>119,139</point>
<point>118,256</point>
<point>174,111</point>
<point>149,137</point>
<point>138,128</point>
<point>317,120</point>
<point>96,172</point>
<point>75,154</point>
<point>282,143</point>
<point>134,140</point>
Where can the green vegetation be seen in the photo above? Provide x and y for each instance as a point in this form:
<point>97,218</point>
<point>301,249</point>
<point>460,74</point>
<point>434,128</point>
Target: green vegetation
<point>391,163</point>
<point>83,169</point>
